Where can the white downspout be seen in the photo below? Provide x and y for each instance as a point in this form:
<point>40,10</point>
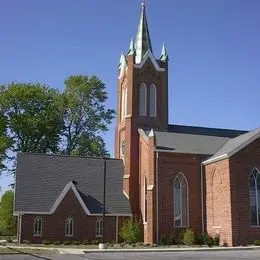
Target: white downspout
<point>19,228</point>
<point>157,200</point>
<point>202,197</point>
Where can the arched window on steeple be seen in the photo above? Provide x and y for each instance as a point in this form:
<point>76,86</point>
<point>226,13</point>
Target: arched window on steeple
<point>153,100</point>
<point>142,100</point>
<point>124,103</point>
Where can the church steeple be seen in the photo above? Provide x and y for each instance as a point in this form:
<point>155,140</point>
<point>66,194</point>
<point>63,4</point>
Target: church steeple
<point>142,39</point>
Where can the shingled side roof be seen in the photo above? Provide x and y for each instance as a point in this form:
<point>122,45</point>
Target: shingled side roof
<point>41,179</point>
<point>234,145</point>
<point>193,139</point>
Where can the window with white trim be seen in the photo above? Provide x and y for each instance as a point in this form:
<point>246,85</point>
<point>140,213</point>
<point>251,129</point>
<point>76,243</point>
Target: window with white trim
<point>180,198</point>
<point>69,226</point>
<point>255,197</point>
<point>142,100</point>
<point>153,100</point>
<point>99,227</point>
<point>37,226</point>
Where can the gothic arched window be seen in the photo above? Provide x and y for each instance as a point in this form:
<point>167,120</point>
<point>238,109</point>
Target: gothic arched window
<point>69,227</point>
<point>99,227</point>
<point>142,100</point>
<point>255,197</point>
<point>153,100</point>
<point>180,198</point>
<point>37,226</point>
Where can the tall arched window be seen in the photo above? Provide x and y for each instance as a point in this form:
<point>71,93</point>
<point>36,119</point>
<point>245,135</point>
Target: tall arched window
<point>255,197</point>
<point>99,227</point>
<point>37,226</point>
<point>180,198</point>
<point>69,226</point>
<point>145,200</point>
<point>125,104</point>
<point>153,100</point>
<point>122,104</point>
<point>142,100</point>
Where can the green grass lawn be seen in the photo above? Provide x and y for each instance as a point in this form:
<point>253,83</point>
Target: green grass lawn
<point>6,250</point>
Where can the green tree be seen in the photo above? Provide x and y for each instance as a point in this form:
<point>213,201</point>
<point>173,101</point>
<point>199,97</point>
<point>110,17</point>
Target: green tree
<point>85,116</point>
<point>130,231</point>
<point>7,220</point>
<point>31,118</point>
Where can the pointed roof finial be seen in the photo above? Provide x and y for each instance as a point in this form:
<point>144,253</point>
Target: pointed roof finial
<point>142,39</point>
<point>131,49</point>
<point>122,60</point>
<point>164,56</point>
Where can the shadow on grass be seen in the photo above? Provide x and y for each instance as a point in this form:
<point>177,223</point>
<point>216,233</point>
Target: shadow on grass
<point>16,250</point>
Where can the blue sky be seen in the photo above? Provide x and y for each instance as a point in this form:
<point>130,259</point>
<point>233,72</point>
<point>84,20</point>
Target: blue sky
<point>213,46</point>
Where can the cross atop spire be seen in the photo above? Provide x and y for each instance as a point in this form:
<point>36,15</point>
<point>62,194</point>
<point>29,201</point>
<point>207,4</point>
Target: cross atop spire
<point>142,39</point>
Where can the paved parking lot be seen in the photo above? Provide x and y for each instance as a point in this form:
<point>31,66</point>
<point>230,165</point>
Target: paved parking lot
<point>227,255</point>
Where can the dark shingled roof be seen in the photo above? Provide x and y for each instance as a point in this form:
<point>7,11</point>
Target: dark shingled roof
<point>235,143</point>
<point>198,130</point>
<point>41,178</point>
<point>194,139</point>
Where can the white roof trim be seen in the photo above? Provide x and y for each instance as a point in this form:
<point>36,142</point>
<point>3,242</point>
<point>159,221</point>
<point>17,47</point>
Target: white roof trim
<point>147,55</point>
<point>221,157</point>
<point>234,151</point>
<point>69,186</point>
<point>126,194</point>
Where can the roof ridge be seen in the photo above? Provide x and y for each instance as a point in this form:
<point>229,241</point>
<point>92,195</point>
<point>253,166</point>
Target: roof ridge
<point>207,127</point>
<point>71,156</point>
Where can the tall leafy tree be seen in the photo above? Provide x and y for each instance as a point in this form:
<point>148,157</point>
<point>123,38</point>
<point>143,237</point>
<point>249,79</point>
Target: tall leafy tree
<point>31,117</point>
<point>7,220</point>
<point>85,116</point>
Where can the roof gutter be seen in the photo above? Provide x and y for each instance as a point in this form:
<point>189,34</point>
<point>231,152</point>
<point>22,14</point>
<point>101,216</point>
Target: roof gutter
<point>218,158</point>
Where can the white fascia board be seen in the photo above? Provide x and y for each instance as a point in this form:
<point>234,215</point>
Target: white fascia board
<point>147,55</point>
<point>218,158</point>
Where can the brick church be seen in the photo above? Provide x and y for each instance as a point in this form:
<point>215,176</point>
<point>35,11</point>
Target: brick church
<point>173,176</point>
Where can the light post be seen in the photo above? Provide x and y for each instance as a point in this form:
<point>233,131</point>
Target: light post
<point>102,245</point>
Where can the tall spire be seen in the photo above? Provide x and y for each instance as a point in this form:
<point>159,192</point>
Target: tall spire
<point>142,39</point>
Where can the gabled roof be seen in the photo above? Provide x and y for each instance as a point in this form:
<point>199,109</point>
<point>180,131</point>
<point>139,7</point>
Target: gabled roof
<point>193,139</point>
<point>198,130</point>
<point>189,143</point>
<point>234,145</point>
<point>43,180</point>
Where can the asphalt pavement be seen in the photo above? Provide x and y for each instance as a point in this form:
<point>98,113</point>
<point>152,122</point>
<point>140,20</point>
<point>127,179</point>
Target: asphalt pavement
<point>226,255</point>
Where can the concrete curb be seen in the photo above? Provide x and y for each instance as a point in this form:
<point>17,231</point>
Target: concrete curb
<point>190,249</point>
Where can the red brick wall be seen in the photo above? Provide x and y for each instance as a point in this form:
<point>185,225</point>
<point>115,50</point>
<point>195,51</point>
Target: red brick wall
<point>54,225</point>
<point>218,201</point>
<point>169,166</point>
<point>241,165</point>
<point>147,171</point>
<point>128,128</point>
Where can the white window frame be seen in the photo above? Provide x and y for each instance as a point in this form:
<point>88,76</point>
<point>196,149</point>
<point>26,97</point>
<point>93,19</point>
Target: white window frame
<point>182,178</point>
<point>99,227</point>
<point>255,175</point>
<point>153,100</point>
<point>70,223</point>
<point>143,100</point>
<point>38,223</point>
<point>125,102</point>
